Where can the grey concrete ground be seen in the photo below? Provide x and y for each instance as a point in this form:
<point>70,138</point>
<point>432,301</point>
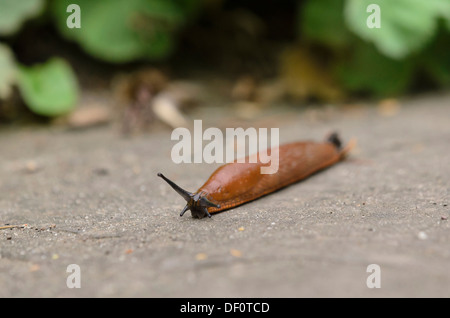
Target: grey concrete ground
<point>92,198</point>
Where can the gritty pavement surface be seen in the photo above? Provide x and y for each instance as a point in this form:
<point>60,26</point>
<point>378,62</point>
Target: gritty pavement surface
<point>92,198</point>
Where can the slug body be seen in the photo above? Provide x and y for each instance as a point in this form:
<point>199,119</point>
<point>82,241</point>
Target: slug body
<point>236,183</point>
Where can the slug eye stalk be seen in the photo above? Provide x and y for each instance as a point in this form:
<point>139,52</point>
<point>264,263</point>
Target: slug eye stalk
<point>197,203</point>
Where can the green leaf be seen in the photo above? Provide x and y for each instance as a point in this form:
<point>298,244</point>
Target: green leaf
<point>8,71</point>
<point>318,17</point>
<point>125,30</point>
<point>406,25</point>
<point>49,89</point>
<point>14,12</point>
<point>366,70</point>
<point>435,59</point>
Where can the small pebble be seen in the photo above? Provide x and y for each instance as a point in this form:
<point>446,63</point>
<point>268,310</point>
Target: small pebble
<point>235,253</point>
<point>34,268</point>
<point>201,256</point>
<point>31,166</point>
<point>422,235</point>
<point>101,171</point>
<point>389,107</point>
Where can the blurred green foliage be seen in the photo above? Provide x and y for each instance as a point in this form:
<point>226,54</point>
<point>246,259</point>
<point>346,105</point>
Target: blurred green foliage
<point>322,21</point>
<point>407,25</point>
<point>115,31</point>
<point>49,89</point>
<point>13,13</point>
<point>126,30</point>
<point>413,39</point>
<point>7,71</point>
<point>381,61</point>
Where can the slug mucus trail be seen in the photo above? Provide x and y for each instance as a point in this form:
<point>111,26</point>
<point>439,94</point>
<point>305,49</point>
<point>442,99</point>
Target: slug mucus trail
<point>236,183</point>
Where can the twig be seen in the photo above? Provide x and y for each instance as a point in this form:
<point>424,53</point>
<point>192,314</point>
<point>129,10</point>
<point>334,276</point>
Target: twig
<point>13,226</point>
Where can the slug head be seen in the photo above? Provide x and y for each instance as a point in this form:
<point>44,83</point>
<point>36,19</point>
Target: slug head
<point>197,203</point>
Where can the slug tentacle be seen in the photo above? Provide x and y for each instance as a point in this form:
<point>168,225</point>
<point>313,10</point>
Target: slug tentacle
<point>197,203</point>
<point>184,210</point>
<point>205,211</point>
<point>185,194</point>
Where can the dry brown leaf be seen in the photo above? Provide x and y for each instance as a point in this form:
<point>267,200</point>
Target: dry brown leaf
<point>235,253</point>
<point>201,256</point>
<point>304,77</point>
<point>89,116</point>
<point>388,107</point>
<point>34,268</point>
<point>244,89</point>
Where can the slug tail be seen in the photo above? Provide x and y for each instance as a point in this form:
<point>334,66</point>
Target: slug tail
<point>336,141</point>
<point>348,147</point>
